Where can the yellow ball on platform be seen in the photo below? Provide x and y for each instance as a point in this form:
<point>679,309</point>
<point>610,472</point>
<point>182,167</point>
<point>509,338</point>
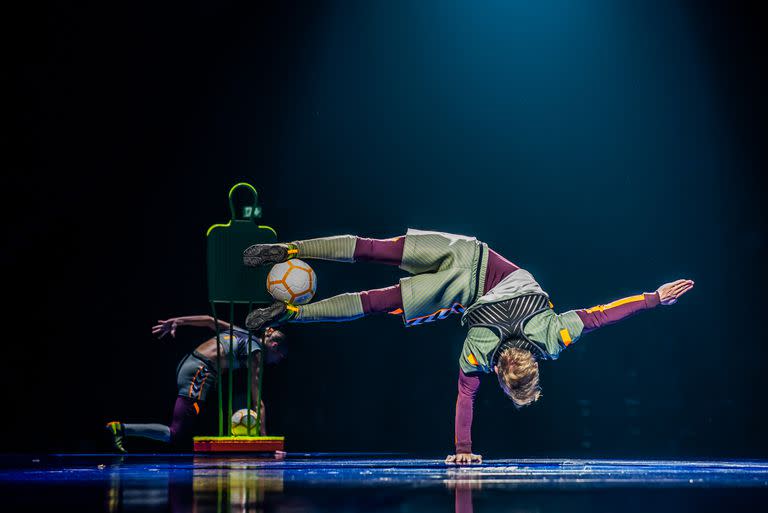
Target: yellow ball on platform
<point>240,423</point>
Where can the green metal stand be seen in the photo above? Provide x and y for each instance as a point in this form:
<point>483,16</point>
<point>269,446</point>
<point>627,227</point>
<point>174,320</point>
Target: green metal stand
<point>230,283</point>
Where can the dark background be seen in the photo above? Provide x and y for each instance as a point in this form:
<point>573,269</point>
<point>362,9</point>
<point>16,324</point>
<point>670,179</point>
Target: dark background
<point>607,147</point>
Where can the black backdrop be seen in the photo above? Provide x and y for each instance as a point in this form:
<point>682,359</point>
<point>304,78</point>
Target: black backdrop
<point>606,147</point>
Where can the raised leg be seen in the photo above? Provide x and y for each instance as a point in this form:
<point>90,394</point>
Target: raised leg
<point>341,248</point>
<point>347,307</point>
<point>341,308</point>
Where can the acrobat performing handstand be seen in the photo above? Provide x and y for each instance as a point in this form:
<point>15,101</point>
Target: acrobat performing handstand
<point>512,324</point>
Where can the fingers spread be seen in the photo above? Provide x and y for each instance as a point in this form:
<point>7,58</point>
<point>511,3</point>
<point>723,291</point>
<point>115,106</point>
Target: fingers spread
<point>463,459</point>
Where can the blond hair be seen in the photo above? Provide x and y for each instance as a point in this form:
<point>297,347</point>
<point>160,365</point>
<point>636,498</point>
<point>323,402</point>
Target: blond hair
<point>518,374</point>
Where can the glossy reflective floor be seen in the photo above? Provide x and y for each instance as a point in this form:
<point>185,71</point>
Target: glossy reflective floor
<point>332,482</point>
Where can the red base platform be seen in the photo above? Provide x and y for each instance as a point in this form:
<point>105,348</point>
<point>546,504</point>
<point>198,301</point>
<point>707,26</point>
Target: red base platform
<point>239,443</point>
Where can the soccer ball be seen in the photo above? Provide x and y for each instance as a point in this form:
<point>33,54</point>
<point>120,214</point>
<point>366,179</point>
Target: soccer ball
<point>240,423</point>
<point>293,281</point>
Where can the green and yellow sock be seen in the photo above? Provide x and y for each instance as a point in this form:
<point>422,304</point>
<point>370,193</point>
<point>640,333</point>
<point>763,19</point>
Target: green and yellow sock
<point>344,307</point>
<point>338,249</point>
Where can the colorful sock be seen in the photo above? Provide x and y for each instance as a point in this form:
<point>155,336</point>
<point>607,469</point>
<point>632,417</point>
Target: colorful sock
<point>344,307</point>
<point>339,249</point>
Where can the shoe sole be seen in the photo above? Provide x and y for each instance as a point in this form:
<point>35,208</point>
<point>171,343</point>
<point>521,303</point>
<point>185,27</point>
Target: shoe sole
<point>263,254</point>
<point>258,319</point>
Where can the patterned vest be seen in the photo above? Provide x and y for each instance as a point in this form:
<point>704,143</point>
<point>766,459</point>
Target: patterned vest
<point>507,318</point>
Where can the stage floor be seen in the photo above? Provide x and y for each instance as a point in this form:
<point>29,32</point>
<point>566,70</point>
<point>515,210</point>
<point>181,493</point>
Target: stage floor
<point>344,482</point>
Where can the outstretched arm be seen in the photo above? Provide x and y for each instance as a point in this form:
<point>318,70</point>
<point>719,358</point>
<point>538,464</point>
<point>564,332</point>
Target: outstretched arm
<point>170,325</point>
<point>603,315</point>
<point>468,387</point>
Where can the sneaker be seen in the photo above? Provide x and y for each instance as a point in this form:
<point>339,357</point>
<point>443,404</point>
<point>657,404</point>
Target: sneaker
<point>117,432</point>
<point>272,315</point>
<point>264,254</point>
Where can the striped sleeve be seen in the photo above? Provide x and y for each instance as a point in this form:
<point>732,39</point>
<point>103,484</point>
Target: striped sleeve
<point>603,315</point>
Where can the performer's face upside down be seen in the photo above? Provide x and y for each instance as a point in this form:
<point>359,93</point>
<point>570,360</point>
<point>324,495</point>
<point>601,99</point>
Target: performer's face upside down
<point>275,345</point>
<point>518,374</point>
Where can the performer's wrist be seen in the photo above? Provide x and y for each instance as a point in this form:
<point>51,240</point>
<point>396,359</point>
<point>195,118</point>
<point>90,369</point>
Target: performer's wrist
<point>463,449</point>
<point>652,299</point>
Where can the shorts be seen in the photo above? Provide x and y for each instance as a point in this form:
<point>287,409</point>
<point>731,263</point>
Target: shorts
<point>195,376</point>
<point>449,275</point>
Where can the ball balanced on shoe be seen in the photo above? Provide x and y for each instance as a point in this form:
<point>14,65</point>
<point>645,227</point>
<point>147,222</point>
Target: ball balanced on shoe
<point>290,282</point>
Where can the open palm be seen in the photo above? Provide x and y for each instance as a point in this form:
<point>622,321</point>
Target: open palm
<point>670,292</point>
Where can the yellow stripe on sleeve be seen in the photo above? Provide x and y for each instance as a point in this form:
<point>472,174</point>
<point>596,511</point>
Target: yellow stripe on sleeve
<point>619,302</point>
<point>566,337</point>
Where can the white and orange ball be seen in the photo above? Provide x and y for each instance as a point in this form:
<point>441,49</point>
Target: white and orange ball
<point>293,281</point>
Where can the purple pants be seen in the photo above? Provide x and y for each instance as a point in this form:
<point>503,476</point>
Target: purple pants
<point>185,413</point>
